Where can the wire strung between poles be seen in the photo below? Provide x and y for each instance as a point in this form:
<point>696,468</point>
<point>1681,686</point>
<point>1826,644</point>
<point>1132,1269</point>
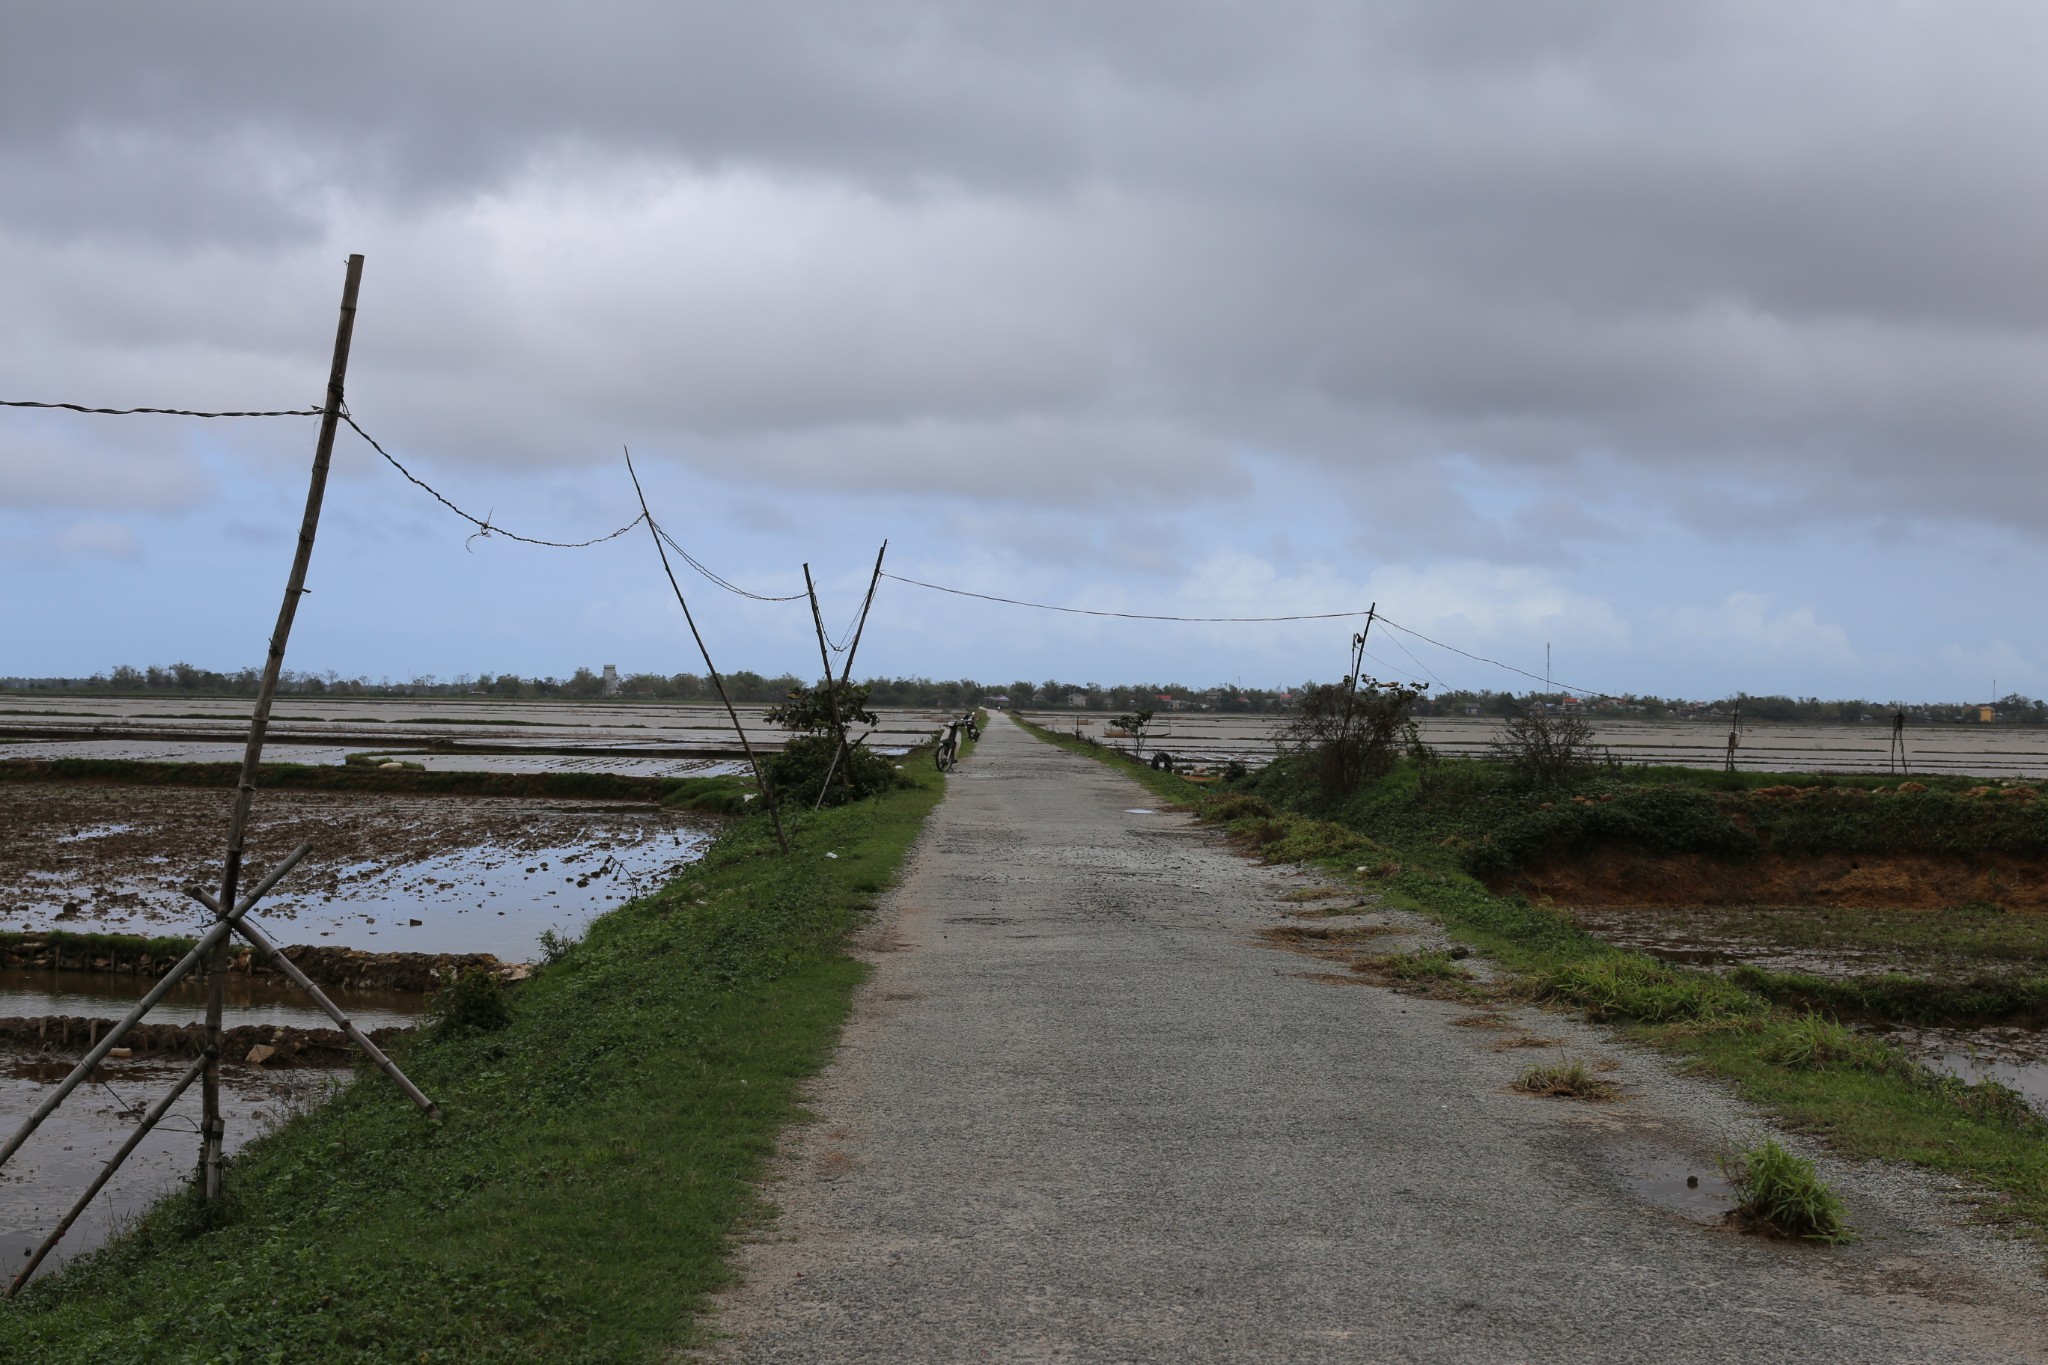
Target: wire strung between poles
<point>712,577</point>
<point>158,412</point>
<point>483,525</point>
<point>1123,615</point>
<point>1481,658</point>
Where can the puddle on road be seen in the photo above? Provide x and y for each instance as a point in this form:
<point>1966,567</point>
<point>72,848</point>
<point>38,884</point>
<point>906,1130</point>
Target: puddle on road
<point>39,1182</point>
<point>1139,810</point>
<point>1692,1189</point>
<point>29,991</point>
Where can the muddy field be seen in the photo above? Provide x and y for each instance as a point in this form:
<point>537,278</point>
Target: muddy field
<point>1989,751</point>
<point>643,739</point>
<point>405,873</point>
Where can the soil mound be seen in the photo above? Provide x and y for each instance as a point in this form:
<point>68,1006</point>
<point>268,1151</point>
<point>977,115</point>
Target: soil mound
<point>1863,881</point>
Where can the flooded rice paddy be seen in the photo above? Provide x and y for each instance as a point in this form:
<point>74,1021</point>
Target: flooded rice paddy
<point>1767,746</point>
<point>389,873</point>
<point>39,1182</point>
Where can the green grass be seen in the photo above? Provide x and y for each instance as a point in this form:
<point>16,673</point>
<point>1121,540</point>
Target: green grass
<point>597,1157</point>
<point>1780,1195</point>
<point>1750,1029</point>
<point>1572,1080</point>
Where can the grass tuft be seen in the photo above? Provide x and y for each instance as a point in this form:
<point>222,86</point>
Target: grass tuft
<point>1572,1080</point>
<point>1780,1195</point>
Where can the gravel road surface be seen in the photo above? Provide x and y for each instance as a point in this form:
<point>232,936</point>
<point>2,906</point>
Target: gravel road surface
<point>1087,1111</point>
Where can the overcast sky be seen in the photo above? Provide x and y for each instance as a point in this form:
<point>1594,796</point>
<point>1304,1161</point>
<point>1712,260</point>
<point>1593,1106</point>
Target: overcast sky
<point>1706,342</point>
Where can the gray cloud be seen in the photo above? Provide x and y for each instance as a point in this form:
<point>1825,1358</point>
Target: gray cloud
<point>1074,251</point>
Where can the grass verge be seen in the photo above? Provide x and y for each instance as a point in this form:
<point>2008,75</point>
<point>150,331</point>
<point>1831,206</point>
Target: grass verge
<point>1748,1029</point>
<point>597,1157</point>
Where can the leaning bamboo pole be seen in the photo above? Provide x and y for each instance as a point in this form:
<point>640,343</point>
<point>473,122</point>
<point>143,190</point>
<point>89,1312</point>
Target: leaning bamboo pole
<point>760,776</point>
<point>212,1126</point>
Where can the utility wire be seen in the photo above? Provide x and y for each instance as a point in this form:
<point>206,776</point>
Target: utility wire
<point>1481,658</point>
<point>483,523</point>
<point>727,584</point>
<point>1402,646</point>
<point>160,412</point>
<point>1121,615</point>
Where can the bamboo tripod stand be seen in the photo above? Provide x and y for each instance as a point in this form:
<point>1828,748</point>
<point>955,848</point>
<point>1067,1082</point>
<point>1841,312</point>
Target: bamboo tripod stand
<point>230,914</point>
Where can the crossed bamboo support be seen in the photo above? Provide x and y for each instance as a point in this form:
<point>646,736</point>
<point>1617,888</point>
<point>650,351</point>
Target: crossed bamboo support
<point>230,910</point>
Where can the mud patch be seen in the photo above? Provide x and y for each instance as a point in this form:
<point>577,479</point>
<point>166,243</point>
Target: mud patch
<point>1633,877</point>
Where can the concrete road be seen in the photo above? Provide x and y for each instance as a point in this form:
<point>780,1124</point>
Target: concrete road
<point>1087,1112</point>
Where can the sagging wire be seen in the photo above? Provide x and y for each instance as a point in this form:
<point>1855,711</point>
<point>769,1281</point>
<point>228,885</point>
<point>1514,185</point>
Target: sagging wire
<point>484,528</point>
<point>158,412</point>
<point>712,577</point>
<point>1125,615</point>
<point>1481,658</point>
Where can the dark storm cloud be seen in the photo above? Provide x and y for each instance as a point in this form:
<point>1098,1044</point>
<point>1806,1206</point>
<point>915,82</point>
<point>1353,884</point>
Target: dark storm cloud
<point>1034,252</point>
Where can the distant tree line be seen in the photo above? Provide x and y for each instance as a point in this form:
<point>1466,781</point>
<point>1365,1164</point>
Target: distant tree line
<point>1051,694</point>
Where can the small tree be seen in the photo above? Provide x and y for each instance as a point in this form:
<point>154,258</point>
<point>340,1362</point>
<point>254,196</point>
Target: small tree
<point>1349,730</point>
<point>1135,722</point>
<point>1545,747</point>
<point>811,757</point>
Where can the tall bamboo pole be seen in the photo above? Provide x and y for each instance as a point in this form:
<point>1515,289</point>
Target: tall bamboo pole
<point>760,776</point>
<point>845,750</point>
<point>212,1127</point>
<point>831,688</point>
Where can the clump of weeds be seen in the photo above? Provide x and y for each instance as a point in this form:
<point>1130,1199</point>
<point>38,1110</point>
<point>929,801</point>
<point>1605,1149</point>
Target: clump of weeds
<point>1427,965</point>
<point>1779,1194</point>
<point>1571,1080</point>
<point>1813,1042</point>
<point>1630,986</point>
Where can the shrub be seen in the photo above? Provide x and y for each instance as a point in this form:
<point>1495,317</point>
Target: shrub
<point>1348,731</point>
<point>1780,1195</point>
<point>800,770</point>
<point>473,1002</point>
<point>1545,748</point>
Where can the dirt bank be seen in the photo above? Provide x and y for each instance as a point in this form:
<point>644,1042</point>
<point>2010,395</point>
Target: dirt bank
<point>1633,877</point>
<point>346,968</point>
<point>244,1044</point>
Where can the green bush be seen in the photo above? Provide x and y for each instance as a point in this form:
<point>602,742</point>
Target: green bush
<point>800,770</point>
<point>473,1002</point>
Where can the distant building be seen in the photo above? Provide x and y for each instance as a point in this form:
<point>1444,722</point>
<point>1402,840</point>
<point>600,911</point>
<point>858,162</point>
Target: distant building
<point>1986,715</point>
<point>611,680</point>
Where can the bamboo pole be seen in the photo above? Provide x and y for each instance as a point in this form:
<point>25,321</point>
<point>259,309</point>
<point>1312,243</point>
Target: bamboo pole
<point>149,1121</point>
<point>200,952</point>
<point>263,943</point>
<point>760,777</point>
<point>212,1130</point>
<point>831,687</point>
<point>845,751</point>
